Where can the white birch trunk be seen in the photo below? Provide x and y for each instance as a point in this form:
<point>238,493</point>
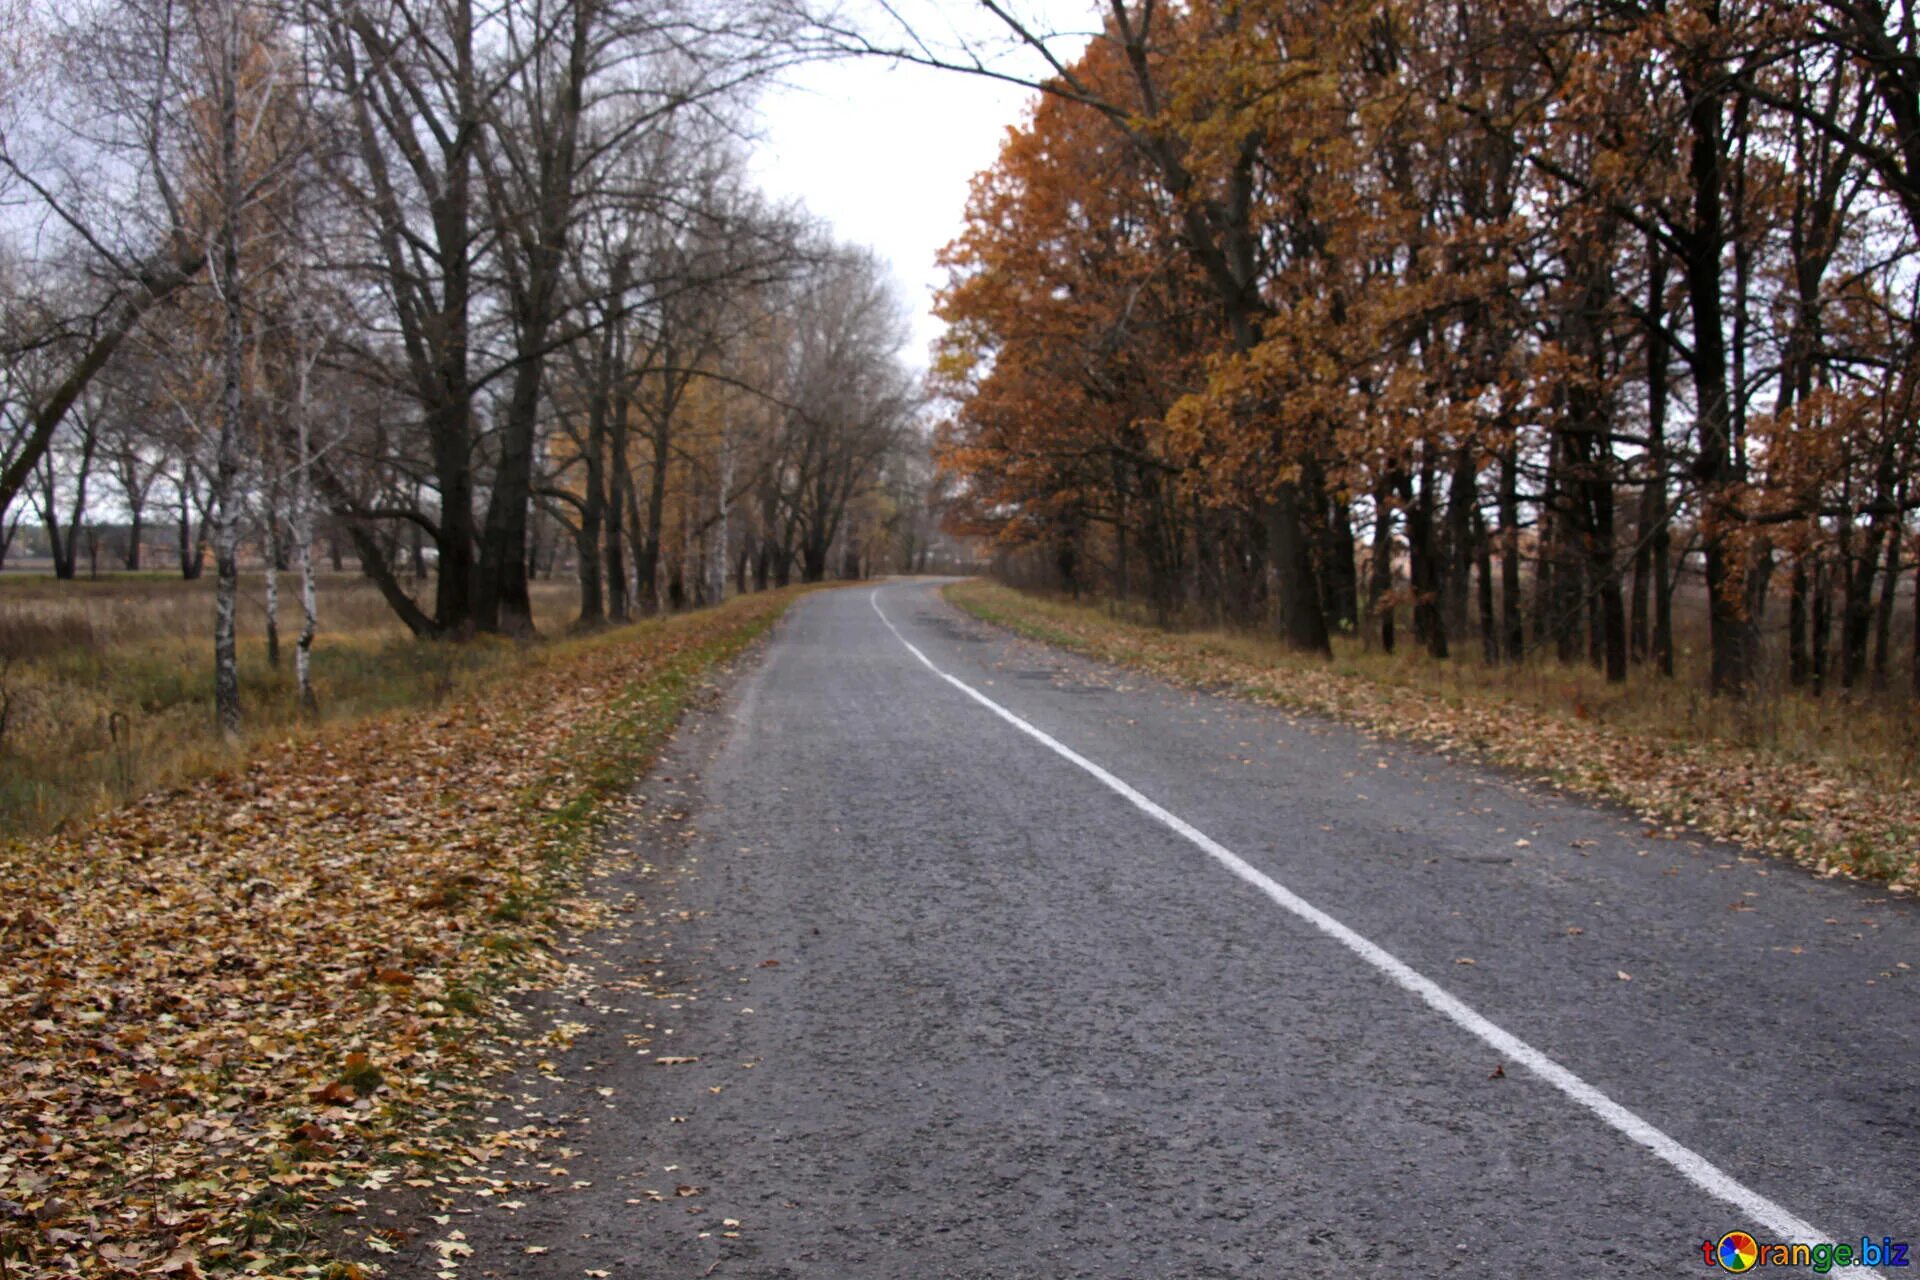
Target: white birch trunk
<point>302,520</point>
<point>226,487</point>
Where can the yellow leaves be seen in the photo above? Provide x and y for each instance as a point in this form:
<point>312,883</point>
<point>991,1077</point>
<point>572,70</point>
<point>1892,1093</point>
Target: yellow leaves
<point>454,1246</point>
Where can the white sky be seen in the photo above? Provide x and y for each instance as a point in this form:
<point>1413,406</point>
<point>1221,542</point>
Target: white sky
<point>884,152</point>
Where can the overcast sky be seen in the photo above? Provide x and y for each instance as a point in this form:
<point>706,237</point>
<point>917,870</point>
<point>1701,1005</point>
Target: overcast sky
<point>884,152</point>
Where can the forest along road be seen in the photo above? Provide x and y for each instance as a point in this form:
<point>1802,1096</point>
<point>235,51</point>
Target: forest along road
<point>1156,984</point>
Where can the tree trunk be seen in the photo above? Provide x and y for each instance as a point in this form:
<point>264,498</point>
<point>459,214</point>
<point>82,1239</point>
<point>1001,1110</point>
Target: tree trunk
<point>59,545</point>
<point>1856,625</point>
<point>189,546</point>
<point>303,539</point>
<point>1380,587</point>
<point>649,566</point>
<point>1290,562</point>
<point>135,527</point>
<point>593,604</point>
<point>1650,536</point>
<point>1489,628</point>
<point>1798,660</point>
<point>1883,623</point>
<point>1341,569</point>
<point>1662,595</point>
<point>272,575</point>
<point>619,502</point>
<point>813,564</point>
<point>1730,638</point>
<point>1457,580</point>
<point>723,520</point>
<point>1546,530</point>
<point>1513,611</point>
<point>1613,614</point>
<point>1822,624</point>
<point>226,485</point>
<point>501,601</point>
<point>275,548</point>
<point>1429,627</point>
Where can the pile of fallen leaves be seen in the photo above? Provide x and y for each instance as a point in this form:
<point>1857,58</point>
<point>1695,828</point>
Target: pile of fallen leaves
<point>226,1008</point>
<point>1812,814</point>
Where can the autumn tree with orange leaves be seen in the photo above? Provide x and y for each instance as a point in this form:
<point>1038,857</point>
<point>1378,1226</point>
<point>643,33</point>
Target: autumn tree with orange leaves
<point>1547,323</point>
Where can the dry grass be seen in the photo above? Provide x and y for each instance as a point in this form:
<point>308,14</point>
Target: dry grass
<point>106,687</point>
<point>1833,781</point>
<point>38,613</point>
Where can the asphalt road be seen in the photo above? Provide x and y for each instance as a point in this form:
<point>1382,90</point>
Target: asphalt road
<point>1016,1025</point>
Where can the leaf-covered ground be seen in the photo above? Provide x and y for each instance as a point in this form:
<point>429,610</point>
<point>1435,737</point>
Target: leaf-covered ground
<point>230,1008</point>
<point>1823,816</point>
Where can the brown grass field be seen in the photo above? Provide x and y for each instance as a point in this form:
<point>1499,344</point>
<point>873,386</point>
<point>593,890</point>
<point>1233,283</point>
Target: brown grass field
<point>106,686</point>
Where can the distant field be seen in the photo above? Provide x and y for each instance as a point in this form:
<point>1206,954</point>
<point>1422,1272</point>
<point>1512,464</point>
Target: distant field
<point>106,686</point>
<point>105,611</point>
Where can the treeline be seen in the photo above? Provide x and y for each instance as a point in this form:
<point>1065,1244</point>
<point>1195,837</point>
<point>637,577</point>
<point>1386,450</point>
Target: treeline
<point>1494,315</point>
<point>427,275</point>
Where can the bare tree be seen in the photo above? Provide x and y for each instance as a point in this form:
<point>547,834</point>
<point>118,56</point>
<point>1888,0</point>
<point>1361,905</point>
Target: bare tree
<point>92,150</point>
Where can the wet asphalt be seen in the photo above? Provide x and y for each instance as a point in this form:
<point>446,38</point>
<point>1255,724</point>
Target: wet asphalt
<point>955,1009</point>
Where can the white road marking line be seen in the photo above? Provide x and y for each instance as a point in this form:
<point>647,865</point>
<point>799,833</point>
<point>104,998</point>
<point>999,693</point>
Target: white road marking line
<point>1696,1168</point>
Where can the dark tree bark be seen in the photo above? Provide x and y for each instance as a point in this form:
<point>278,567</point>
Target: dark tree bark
<point>1862,570</point>
<point>1341,569</point>
<point>1883,619</point>
<point>648,561</point>
<point>1822,624</point>
<point>1429,628</point>
<point>1799,660</point>
<point>1651,538</point>
<point>1703,246</point>
<point>1462,507</point>
<point>1513,609</point>
<point>189,544</point>
<point>620,501</point>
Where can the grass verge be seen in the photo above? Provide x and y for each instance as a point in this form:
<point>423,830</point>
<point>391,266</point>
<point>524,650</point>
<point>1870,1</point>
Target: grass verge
<point>261,997</point>
<point>1849,810</point>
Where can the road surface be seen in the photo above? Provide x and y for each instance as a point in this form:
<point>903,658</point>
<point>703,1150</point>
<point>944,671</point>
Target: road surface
<point>1156,984</point>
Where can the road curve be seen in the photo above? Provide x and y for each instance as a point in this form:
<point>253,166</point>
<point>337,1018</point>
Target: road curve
<point>1018,1026</point>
